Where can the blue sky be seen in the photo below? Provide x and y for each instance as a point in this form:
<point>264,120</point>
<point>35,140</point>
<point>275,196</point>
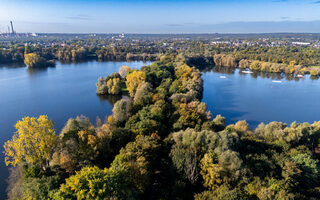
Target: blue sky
<point>161,16</point>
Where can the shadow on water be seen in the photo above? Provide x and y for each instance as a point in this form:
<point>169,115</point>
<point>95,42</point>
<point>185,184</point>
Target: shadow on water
<point>112,99</point>
<point>34,71</point>
<point>13,65</point>
<point>219,69</point>
<point>314,77</point>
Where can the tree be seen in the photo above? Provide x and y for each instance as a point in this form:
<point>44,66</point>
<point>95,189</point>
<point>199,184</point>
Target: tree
<point>243,64</point>
<point>112,84</point>
<point>141,159</point>
<point>219,123</point>
<point>102,88</point>
<point>133,81</point>
<point>211,171</point>
<point>33,142</point>
<point>121,111</point>
<point>189,147</point>
<point>255,65</point>
<point>94,183</point>
<point>33,60</point>
<point>143,94</point>
<point>221,193</point>
<point>124,70</point>
<point>310,169</point>
<point>242,126</point>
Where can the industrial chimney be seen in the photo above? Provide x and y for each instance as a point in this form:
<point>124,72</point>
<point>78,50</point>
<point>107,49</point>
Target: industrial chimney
<point>12,30</point>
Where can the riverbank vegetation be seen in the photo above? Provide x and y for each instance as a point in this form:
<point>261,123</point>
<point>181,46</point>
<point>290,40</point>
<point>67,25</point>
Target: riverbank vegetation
<point>162,143</point>
<point>33,60</point>
<point>223,60</point>
<point>273,54</point>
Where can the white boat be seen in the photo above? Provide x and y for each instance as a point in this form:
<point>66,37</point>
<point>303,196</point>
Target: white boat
<point>247,72</point>
<point>300,76</point>
<point>223,77</point>
<point>276,81</point>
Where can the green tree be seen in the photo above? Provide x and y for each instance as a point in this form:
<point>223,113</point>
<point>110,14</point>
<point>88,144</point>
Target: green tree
<point>97,184</point>
<point>143,95</point>
<point>121,111</point>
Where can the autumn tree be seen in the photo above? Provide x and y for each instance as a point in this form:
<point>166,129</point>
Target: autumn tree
<point>112,84</point>
<point>33,60</point>
<point>211,171</point>
<point>33,142</point>
<point>133,81</point>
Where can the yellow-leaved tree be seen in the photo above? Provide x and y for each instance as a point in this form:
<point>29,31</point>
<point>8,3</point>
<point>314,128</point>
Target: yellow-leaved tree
<point>133,80</point>
<point>33,60</point>
<point>33,142</point>
<point>124,70</point>
<point>211,172</point>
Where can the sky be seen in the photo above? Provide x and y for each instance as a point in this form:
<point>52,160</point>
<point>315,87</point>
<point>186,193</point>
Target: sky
<point>160,16</point>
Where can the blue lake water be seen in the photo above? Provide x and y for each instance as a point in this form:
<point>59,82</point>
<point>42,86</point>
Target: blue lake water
<point>261,98</point>
<point>68,90</point>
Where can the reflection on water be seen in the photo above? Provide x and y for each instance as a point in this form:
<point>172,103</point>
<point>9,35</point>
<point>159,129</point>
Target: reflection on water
<point>261,97</point>
<point>112,99</point>
<point>314,77</point>
<point>33,71</point>
<point>13,65</point>
<point>253,74</point>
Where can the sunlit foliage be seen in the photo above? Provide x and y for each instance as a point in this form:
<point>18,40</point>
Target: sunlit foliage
<point>133,80</point>
<point>33,142</point>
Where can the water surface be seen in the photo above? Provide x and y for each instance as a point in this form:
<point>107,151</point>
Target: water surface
<point>261,98</point>
<point>61,92</point>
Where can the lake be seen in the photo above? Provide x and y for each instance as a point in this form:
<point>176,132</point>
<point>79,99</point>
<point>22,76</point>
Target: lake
<point>68,90</point>
<point>61,92</point>
<point>261,97</point>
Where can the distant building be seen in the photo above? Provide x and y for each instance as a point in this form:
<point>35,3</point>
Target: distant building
<point>301,43</point>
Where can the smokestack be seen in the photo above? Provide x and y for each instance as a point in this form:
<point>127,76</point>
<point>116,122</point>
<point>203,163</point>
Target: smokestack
<point>12,30</point>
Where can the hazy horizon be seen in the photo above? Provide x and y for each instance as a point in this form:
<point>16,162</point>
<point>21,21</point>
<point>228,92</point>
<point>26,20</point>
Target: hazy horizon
<point>161,17</point>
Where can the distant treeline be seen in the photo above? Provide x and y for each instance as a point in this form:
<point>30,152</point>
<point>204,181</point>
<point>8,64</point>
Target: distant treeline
<point>283,59</point>
<point>230,61</point>
<point>74,53</point>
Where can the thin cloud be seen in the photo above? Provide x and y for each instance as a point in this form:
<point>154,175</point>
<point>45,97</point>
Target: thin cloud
<point>174,25</point>
<point>80,17</point>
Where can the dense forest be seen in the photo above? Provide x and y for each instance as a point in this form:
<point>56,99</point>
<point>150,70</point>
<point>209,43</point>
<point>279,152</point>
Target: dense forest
<point>161,143</point>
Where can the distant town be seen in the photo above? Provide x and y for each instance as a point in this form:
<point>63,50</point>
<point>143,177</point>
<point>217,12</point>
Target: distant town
<point>169,41</point>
